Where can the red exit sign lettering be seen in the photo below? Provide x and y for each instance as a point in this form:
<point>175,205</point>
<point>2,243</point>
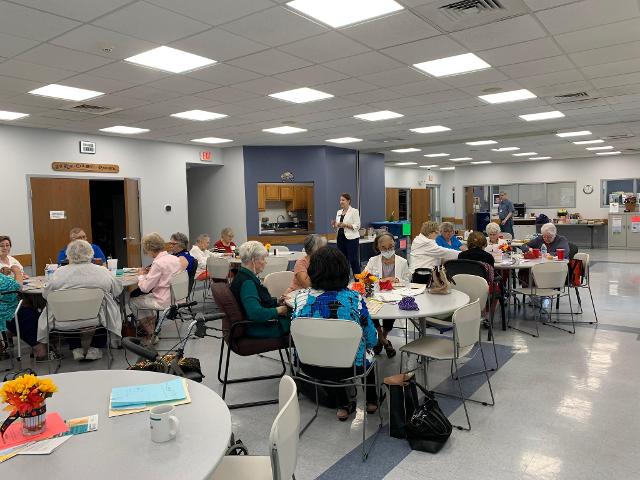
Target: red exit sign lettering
<point>205,156</point>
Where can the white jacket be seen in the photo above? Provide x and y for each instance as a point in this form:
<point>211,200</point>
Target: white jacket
<point>352,217</point>
<point>374,266</point>
<point>201,256</point>
<point>426,253</point>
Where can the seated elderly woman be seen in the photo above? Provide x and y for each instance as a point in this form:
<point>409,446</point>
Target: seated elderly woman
<point>329,297</point>
<point>179,243</point>
<point>8,302</point>
<point>447,239</point>
<point>81,273</point>
<point>549,237</point>
<point>301,278</point>
<point>225,244</point>
<point>476,243</point>
<point>493,232</point>
<point>154,284</point>
<point>7,261</point>
<point>200,252</point>
<point>387,266</point>
<point>425,252</point>
<point>254,299</point>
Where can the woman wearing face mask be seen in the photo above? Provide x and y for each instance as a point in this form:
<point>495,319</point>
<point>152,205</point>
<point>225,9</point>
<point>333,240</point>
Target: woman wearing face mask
<point>387,266</point>
<point>254,299</point>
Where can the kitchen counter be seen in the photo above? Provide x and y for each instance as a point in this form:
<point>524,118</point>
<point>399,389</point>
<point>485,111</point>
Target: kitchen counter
<point>276,233</point>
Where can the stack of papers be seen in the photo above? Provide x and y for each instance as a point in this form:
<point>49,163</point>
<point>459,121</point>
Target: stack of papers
<point>139,398</point>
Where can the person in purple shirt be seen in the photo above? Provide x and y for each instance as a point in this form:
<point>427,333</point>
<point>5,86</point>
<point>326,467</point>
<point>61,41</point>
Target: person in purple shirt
<point>447,239</point>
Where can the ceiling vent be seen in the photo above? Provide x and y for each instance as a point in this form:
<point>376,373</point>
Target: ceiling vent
<point>388,140</point>
<point>622,136</point>
<point>92,109</point>
<point>574,97</point>
<point>455,16</point>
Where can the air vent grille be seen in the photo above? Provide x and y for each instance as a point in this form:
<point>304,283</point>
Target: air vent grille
<point>92,109</point>
<point>572,95</point>
<point>458,10</point>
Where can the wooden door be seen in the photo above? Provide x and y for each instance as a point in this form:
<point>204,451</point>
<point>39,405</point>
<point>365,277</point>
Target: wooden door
<point>468,208</point>
<point>420,209</point>
<point>392,204</point>
<point>310,210</point>
<point>300,198</point>
<point>262,201</point>
<point>132,223</point>
<point>68,195</point>
<point>286,193</point>
<point>272,192</point>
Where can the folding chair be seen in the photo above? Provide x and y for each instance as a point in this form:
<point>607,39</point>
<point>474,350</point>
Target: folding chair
<point>278,282</point>
<point>274,264</point>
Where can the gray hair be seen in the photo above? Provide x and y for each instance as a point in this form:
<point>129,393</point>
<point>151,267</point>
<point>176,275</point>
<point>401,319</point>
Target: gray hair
<point>153,243</point>
<point>181,238</point>
<point>492,227</point>
<point>226,231</point>
<point>251,251</point>
<point>550,228</point>
<point>202,237</point>
<point>446,227</point>
<point>313,242</point>
<point>79,251</point>
<point>379,237</point>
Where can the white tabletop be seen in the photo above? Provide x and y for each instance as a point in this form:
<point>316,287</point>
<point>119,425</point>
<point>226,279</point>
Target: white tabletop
<point>121,448</point>
<point>518,263</point>
<point>429,305</point>
<point>291,255</point>
<point>362,240</point>
<point>35,285</point>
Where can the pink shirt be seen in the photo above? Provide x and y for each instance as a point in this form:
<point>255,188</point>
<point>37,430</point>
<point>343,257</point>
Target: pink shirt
<point>301,266</point>
<point>158,280</point>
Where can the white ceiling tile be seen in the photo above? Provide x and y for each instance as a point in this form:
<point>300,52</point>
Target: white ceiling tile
<point>259,103</point>
<point>182,84</point>
<point>18,85</point>
<point>610,69</point>
<point>538,67</point>
<point>274,27</point>
<point>10,45</point>
<point>127,72</point>
<point>521,52</point>
<point>148,22</point>
<point>26,98</point>
<point>311,76</point>
<point>29,23</point>
<point>270,62</point>
<point>265,86</point>
<point>425,50</point>
<point>427,85</point>
<point>346,87</point>
<point>498,34</point>
<point>228,94</point>
<point>561,88</point>
<point>372,96</point>
<point>92,39</point>
<point>488,77</point>
<point>600,56</point>
<point>31,71</point>
<point>223,74</point>
<point>99,84</point>
<point>617,80</point>
<point>61,57</point>
<point>363,64</point>
<point>544,4</point>
<point>83,10</point>
<point>325,47</point>
<point>219,45</point>
<point>214,13</point>
<point>398,76</point>
<point>585,14</point>
<point>600,36</point>
<point>565,76</point>
<point>150,94</point>
<point>399,28</point>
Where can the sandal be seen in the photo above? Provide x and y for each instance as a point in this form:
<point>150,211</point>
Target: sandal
<point>345,412</point>
<point>373,407</point>
<point>378,348</point>
<point>391,352</point>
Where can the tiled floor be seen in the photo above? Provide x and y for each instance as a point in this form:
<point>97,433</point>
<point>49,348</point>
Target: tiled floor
<point>566,405</point>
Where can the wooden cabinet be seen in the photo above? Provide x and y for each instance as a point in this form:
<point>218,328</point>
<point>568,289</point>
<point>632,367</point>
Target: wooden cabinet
<point>299,198</point>
<point>392,203</point>
<point>310,210</point>
<point>272,192</point>
<point>286,193</point>
<point>262,200</point>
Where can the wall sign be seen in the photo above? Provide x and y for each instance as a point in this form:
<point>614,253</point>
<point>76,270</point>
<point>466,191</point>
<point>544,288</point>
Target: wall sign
<point>205,156</point>
<point>57,215</point>
<point>87,147</point>
<point>84,167</point>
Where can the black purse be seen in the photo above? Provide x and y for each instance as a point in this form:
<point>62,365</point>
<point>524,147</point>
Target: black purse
<point>423,276</point>
<point>403,401</point>
<point>429,428</point>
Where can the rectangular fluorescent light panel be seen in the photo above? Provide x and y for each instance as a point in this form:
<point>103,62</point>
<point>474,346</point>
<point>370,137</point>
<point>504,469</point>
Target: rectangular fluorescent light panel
<point>211,140</point>
<point>4,115</point>
<point>608,153</point>
<point>588,142</point>
<point>286,130</point>
<point>539,158</point>
<point>406,163</point>
<point>65,93</point>
<point>460,159</point>
<point>511,96</point>
<point>377,116</point>
<point>406,150</point>
<point>534,117</point>
<point>581,133</point>
<point>432,129</point>
<point>481,162</point>
<point>524,154</point>
<point>481,142</point>
<point>505,149</point>
<point>301,95</point>
<point>124,130</point>
<point>344,140</point>
<point>608,147</point>
<point>429,166</point>
<point>339,13</point>
<point>199,115</point>
<point>170,59</point>
<point>447,168</point>
<point>436,155</point>
<point>456,65</point>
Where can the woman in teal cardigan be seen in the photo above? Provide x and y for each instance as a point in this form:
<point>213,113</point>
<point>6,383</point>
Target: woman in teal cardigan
<point>254,299</point>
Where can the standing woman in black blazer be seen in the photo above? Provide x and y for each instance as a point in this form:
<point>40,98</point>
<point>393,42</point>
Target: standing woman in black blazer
<point>347,225</point>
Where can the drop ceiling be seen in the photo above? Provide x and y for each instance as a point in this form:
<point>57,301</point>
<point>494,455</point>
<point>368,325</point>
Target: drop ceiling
<point>552,47</point>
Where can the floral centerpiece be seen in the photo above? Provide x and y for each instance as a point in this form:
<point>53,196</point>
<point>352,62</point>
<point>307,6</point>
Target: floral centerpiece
<point>562,215</point>
<point>505,248</point>
<point>25,397</point>
<point>365,283</point>
<point>267,246</point>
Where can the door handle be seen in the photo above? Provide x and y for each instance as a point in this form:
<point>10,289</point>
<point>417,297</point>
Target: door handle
<point>128,238</point>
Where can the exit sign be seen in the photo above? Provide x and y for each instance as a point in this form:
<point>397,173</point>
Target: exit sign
<point>205,156</point>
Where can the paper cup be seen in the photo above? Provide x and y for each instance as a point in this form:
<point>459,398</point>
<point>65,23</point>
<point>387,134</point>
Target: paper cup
<point>112,265</point>
<point>560,253</point>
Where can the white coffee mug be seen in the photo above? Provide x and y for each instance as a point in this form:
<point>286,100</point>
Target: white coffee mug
<point>112,264</point>
<point>163,423</point>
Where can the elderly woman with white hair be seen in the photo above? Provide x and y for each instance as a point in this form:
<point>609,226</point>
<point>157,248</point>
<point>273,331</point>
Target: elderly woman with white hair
<point>300,276</point>
<point>200,251</point>
<point>225,244</point>
<point>549,237</point>
<point>493,240</point>
<point>254,299</point>
<point>81,273</point>
<point>447,239</point>
<point>425,252</point>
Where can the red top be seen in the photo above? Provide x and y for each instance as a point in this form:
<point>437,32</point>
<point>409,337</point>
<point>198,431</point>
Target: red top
<point>221,246</point>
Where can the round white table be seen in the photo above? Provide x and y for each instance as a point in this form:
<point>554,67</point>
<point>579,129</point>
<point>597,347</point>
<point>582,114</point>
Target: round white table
<point>429,305</point>
<point>121,448</point>
<point>293,256</point>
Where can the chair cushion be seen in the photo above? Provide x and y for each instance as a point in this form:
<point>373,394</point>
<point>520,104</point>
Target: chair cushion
<point>243,467</point>
<point>246,346</point>
<point>227,303</point>
<point>438,348</point>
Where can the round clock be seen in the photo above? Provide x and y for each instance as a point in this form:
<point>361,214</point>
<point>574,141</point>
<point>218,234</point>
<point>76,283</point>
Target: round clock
<point>588,189</point>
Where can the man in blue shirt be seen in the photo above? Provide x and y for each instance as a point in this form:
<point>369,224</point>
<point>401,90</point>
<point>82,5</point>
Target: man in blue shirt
<point>78,234</point>
<point>505,213</point>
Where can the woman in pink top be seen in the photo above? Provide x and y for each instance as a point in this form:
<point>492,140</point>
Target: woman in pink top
<point>300,277</point>
<point>154,282</point>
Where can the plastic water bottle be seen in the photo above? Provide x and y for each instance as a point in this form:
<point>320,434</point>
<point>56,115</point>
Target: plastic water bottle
<point>543,253</point>
<point>48,273</point>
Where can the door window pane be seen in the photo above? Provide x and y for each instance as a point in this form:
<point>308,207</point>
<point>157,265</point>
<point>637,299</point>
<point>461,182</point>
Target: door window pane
<point>616,186</point>
<point>561,195</point>
<point>533,194</point>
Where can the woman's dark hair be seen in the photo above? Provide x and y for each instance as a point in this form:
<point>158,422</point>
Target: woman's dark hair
<point>379,237</point>
<point>5,237</point>
<point>328,269</point>
<point>346,196</point>
<point>476,240</point>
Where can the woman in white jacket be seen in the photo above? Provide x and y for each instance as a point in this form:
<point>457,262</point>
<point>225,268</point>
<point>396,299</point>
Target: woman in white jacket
<point>425,252</point>
<point>347,225</point>
<point>387,266</point>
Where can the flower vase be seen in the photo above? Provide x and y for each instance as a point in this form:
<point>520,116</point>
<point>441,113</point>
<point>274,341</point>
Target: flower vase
<point>34,421</point>
<point>506,257</point>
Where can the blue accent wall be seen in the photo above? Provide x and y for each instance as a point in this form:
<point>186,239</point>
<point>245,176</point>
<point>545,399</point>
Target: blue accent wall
<point>372,190</point>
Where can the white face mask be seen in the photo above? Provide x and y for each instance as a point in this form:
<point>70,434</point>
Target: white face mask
<point>388,254</point>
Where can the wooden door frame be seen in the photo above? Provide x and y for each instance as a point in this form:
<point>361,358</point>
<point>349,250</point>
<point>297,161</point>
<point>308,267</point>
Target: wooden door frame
<point>29,176</point>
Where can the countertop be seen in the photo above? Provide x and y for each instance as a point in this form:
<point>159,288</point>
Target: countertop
<point>282,233</point>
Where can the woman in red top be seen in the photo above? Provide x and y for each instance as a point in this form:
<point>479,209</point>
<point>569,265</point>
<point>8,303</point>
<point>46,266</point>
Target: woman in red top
<point>225,244</point>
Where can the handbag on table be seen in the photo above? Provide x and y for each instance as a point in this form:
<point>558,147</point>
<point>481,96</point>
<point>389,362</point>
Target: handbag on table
<point>440,281</point>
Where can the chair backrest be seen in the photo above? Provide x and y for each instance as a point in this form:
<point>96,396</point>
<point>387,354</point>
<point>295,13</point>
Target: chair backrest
<point>326,342</point>
<point>506,235</point>
<point>75,304</point>
<point>179,287</point>
<point>278,282</point>
<point>284,436</point>
<point>466,324</point>
<point>274,264</point>
<point>468,267</point>
<point>217,268</point>
<point>584,258</point>
<point>573,250</point>
<point>550,274</point>
<point>474,286</point>
<point>279,248</point>
<point>225,301</point>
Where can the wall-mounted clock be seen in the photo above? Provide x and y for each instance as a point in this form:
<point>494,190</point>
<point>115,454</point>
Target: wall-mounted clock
<point>588,189</point>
